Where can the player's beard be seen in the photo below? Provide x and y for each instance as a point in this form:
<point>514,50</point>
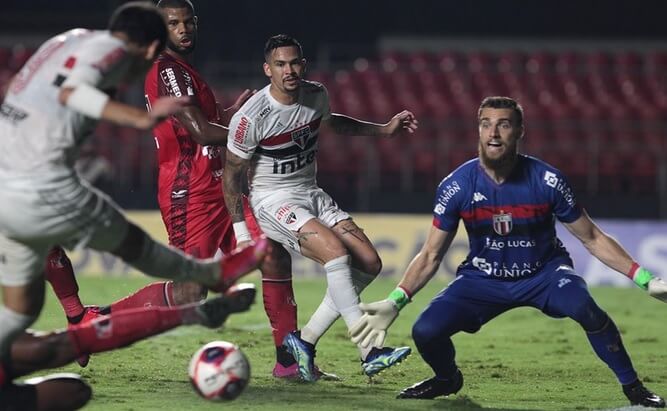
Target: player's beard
<point>505,161</point>
<point>183,51</point>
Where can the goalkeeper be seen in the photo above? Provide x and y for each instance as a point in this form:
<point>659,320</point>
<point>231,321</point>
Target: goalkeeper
<point>508,203</point>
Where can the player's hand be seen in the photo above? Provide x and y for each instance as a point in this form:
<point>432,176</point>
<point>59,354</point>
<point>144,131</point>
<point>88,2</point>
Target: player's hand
<point>404,121</point>
<point>371,328</point>
<point>658,289</point>
<point>240,100</point>
<point>165,107</point>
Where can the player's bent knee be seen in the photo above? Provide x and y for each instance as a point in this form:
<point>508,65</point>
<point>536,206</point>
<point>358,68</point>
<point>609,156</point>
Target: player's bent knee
<point>424,332</point>
<point>590,316</point>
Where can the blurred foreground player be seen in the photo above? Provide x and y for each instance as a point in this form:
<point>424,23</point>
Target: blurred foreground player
<point>508,203</point>
<point>51,105</point>
<point>32,351</point>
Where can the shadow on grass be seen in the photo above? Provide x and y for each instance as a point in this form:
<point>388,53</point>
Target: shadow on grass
<point>301,396</point>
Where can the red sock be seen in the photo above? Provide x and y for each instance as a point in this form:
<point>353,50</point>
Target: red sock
<point>153,295</point>
<point>122,328</point>
<point>280,307</point>
<point>60,274</point>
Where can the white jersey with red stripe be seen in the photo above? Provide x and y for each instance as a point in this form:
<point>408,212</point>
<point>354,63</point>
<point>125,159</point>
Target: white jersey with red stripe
<point>39,134</point>
<point>280,139</point>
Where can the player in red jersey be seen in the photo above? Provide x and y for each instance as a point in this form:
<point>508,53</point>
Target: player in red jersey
<point>190,193</point>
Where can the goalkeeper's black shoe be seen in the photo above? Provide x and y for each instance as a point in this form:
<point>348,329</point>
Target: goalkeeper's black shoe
<point>433,387</point>
<point>640,395</point>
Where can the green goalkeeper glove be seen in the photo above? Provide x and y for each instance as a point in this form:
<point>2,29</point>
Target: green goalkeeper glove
<point>644,279</point>
<point>371,328</point>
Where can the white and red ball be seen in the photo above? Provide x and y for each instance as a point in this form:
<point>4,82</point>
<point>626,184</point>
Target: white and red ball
<point>219,371</point>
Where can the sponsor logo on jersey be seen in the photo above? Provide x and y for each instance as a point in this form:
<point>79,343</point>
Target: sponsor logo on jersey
<point>176,194</point>
<point>502,270</point>
<point>211,152</point>
<point>241,133</point>
<point>300,136</point>
<point>448,191</point>
<point>497,245</point>
<point>266,110</point>
<point>563,281</point>
<point>477,197</point>
<point>281,212</point>
<point>439,209</point>
<point>552,180</point>
<point>502,223</point>
<point>297,163</point>
<point>169,79</point>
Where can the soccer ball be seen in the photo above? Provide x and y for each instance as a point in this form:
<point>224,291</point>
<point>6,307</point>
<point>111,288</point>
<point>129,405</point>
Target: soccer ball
<point>219,371</point>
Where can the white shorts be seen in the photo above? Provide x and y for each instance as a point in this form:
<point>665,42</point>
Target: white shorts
<point>282,213</point>
<point>40,212</point>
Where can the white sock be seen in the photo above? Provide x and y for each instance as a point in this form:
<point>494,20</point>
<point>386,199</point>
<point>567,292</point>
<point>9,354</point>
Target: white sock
<point>327,313</point>
<point>158,260</point>
<point>341,289</point>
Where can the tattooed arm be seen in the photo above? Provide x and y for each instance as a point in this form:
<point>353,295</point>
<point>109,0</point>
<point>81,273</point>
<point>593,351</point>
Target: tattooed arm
<point>235,179</point>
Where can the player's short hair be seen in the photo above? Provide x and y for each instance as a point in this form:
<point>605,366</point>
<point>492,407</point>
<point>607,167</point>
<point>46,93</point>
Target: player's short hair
<point>176,4</point>
<point>141,21</point>
<point>281,40</point>
<point>502,102</point>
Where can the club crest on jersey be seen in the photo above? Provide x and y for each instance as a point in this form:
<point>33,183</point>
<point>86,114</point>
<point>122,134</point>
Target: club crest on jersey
<point>290,218</point>
<point>502,223</point>
<point>299,136</point>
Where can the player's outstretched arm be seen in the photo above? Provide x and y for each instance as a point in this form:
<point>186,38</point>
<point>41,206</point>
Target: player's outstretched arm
<point>404,121</point>
<point>378,316</point>
<point>206,133</point>
<point>94,103</point>
<point>606,249</point>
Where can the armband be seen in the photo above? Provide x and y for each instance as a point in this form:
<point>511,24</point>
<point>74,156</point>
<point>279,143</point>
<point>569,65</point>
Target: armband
<point>87,100</point>
<point>400,297</point>
<point>640,275</point>
<point>241,232</point>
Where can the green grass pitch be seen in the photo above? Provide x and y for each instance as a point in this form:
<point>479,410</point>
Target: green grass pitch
<point>520,361</point>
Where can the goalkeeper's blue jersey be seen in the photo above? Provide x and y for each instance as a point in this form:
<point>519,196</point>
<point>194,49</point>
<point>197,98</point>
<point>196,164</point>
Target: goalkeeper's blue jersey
<point>511,226</point>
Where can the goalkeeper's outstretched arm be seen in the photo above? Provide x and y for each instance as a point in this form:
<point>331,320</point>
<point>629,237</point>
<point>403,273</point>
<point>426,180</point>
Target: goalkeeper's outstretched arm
<point>378,316</point>
<point>606,249</point>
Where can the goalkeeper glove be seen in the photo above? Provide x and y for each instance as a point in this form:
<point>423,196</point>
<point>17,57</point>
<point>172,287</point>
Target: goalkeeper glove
<point>371,328</point>
<point>644,279</point>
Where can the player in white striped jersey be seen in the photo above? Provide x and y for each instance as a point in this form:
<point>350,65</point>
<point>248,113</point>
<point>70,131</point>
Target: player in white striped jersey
<point>274,137</point>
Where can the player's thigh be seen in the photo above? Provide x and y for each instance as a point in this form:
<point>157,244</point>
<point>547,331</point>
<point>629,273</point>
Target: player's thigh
<point>292,219</point>
<point>318,242</point>
<point>568,296</point>
<point>22,275</point>
<point>465,305</point>
<point>364,255</point>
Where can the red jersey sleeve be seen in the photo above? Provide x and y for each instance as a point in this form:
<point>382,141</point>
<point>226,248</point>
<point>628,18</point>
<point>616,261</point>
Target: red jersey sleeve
<point>174,80</point>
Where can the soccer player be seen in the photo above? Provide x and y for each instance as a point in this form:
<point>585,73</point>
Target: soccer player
<point>274,135</point>
<point>508,203</point>
<point>51,105</point>
<point>190,193</point>
<point>32,351</point>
